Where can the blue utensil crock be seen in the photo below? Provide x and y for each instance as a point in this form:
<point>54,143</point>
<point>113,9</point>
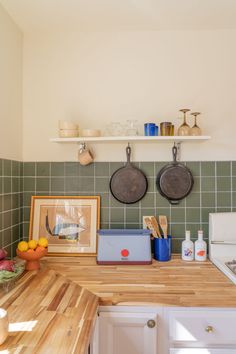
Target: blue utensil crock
<point>162,249</point>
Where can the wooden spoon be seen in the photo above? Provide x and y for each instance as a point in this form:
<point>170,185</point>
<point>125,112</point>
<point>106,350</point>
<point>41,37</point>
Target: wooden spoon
<point>163,224</point>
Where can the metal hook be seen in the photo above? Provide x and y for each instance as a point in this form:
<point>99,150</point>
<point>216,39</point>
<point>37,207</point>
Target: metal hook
<point>82,146</point>
<point>178,150</point>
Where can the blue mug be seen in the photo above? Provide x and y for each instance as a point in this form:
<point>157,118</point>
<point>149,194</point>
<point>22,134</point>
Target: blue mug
<point>150,129</point>
<point>162,249</point>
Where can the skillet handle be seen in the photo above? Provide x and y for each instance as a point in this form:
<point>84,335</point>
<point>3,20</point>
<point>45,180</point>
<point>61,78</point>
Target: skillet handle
<point>128,153</point>
<point>174,202</point>
<point>174,152</point>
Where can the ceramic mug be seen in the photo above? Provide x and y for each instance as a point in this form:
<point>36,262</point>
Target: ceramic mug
<point>3,325</point>
<point>85,156</point>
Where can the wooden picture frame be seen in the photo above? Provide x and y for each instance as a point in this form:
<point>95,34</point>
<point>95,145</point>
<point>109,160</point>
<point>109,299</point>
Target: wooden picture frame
<point>70,223</point>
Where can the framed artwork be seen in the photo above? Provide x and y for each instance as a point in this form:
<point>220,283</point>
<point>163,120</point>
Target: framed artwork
<point>69,223</point>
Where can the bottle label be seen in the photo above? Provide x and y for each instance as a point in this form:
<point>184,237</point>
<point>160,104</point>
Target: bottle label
<point>188,252</point>
<point>201,253</point>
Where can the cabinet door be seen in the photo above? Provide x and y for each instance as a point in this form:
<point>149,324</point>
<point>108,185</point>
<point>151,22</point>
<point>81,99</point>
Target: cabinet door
<point>202,351</point>
<point>211,327</point>
<point>127,333</point>
<point>94,343</point>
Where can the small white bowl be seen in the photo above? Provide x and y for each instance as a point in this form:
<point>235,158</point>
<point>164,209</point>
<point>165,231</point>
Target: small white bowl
<point>68,133</point>
<point>91,132</point>
<point>66,124</point>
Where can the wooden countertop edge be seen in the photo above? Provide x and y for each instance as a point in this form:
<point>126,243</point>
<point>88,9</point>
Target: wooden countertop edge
<point>143,304</point>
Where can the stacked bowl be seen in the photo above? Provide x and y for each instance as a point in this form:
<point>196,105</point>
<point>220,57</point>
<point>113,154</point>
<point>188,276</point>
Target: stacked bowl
<point>68,129</point>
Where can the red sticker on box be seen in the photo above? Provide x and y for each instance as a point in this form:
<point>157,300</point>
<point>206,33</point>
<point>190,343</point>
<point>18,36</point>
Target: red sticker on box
<point>124,252</point>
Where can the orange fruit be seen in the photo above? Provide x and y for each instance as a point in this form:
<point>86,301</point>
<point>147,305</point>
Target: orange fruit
<point>30,250</point>
<point>40,248</point>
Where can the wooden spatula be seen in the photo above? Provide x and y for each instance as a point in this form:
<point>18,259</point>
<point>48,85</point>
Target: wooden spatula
<point>155,225</point>
<point>150,227</point>
<point>163,224</point>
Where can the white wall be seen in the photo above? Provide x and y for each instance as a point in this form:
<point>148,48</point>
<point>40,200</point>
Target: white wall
<point>10,88</point>
<point>96,78</point>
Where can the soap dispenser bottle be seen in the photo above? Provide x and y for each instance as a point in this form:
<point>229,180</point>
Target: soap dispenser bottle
<point>187,248</point>
<point>200,248</point>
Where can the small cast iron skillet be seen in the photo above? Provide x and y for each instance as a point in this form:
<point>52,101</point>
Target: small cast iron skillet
<point>128,184</point>
<point>174,181</point>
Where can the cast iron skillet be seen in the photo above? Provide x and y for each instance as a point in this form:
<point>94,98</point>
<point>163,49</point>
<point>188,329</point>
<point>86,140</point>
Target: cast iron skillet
<point>174,181</point>
<point>128,184</point>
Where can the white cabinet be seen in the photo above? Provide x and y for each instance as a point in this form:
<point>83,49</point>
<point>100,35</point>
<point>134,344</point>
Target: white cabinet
<point>127,333</point>
<point>202,331</point>
<point>210,327</point>
<point>94,343</point>
<point>202,351</point>
<point>163,330</point>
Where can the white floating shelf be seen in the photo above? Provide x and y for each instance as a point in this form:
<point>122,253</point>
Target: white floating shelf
<point>139,138</point>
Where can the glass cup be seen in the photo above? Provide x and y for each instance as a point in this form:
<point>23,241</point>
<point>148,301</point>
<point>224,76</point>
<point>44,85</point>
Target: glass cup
<point>195,130</point>
<point>166,128</point>
<point>156,130</point>
<point>149,129</point>
<point>116,129</point>
<point>132,127</point>
<point>184,129</point>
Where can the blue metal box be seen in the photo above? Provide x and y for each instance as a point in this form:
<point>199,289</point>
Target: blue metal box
<point>128,246</point>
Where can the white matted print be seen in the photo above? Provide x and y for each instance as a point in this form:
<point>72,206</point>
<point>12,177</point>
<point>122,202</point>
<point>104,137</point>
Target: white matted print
<point>69,223</point>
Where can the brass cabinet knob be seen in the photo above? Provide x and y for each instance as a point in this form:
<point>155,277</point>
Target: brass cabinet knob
<point>209,329</point>
<point>151,323</point>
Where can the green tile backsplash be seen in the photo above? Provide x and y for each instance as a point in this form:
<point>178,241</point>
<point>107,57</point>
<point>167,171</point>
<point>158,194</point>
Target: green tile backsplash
<point>214,190</point>
<point>10,204</point>
<point>215,183</point>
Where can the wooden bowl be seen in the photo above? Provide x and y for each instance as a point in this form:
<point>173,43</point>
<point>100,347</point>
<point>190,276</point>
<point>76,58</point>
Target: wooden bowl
<point>32,258</point>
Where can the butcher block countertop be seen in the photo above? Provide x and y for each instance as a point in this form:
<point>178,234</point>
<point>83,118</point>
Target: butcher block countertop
<point>173,283</point>
<point>48,314</point>
<point>54,310</point>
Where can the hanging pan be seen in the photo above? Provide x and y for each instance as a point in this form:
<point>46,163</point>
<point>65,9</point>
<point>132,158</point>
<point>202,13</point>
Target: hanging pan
<point>128,184</point>
<point>174,181</point>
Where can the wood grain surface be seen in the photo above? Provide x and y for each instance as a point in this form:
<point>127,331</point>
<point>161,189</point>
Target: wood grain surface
<point>54,310</point>
<point>174,283</point>
<point>49,314</point>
